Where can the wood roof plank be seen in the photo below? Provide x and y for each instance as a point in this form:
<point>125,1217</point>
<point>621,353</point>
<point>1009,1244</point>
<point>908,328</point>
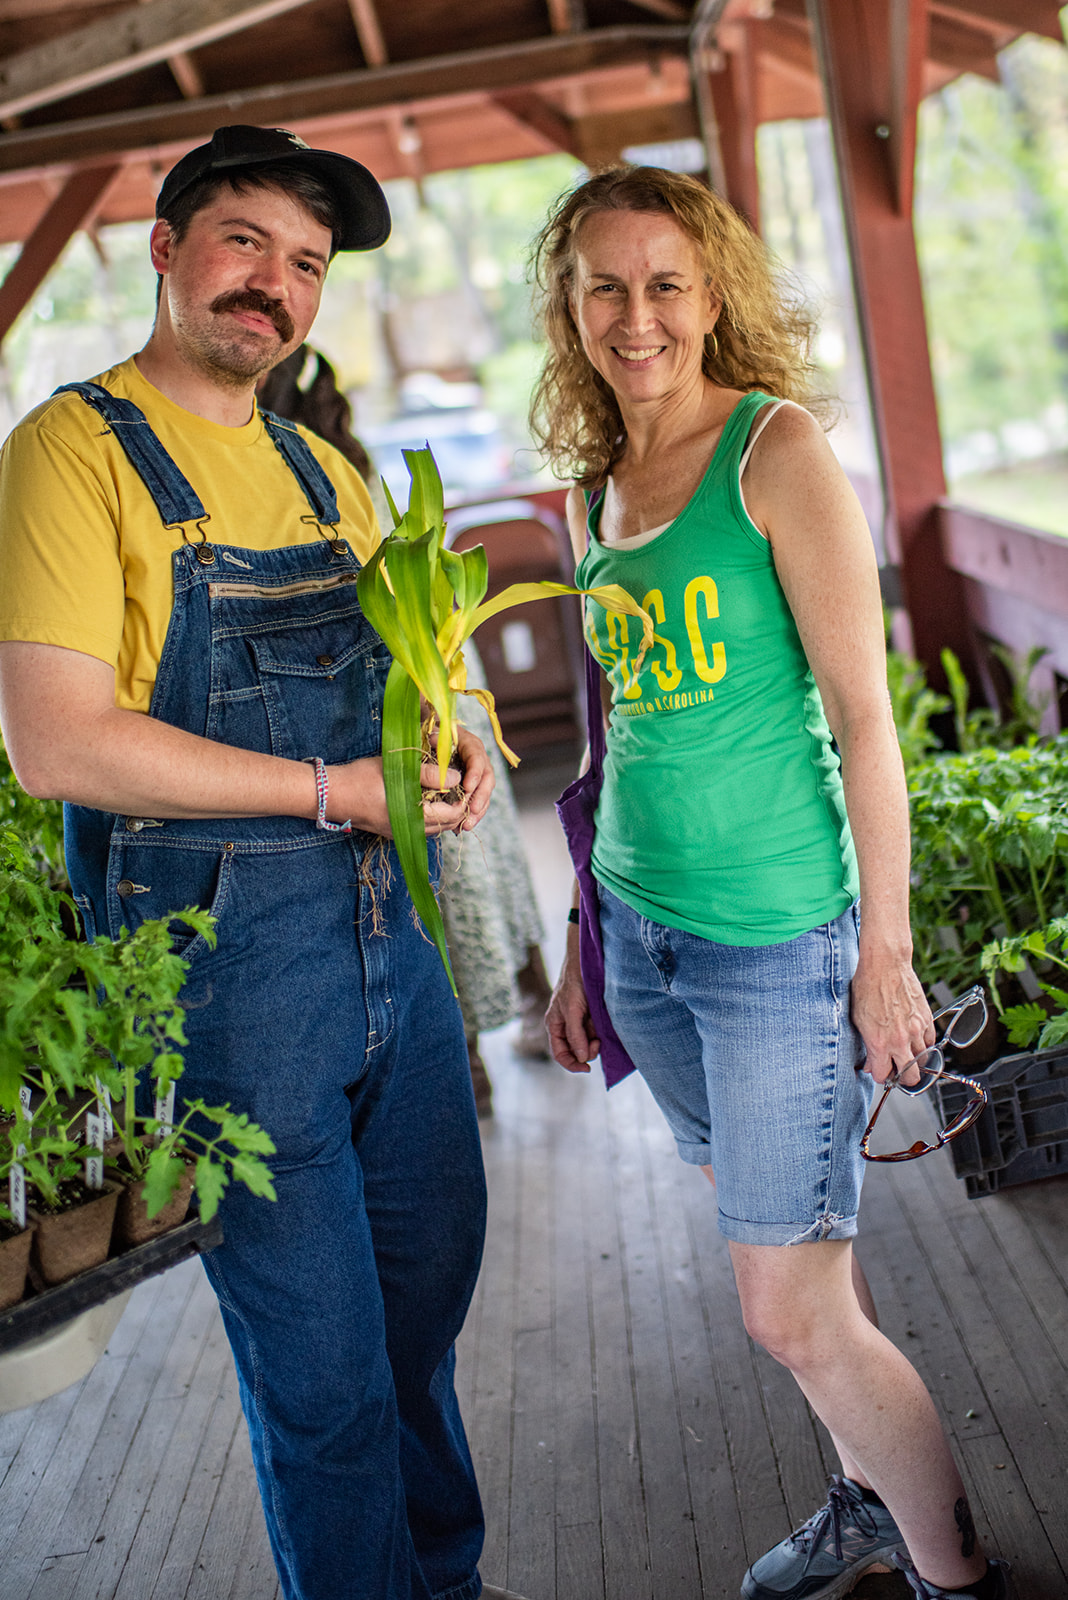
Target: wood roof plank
<point>963,48</point>
<point>115,47</point>
<point>282,104</point>
<point>1006,16</point>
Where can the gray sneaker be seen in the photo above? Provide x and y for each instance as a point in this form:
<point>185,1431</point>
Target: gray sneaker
<point>931,1591</point>
<point>824,1557</point>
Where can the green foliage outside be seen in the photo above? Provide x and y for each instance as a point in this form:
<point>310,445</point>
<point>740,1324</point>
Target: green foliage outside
<point>992,233</point>
<point>989,889</point>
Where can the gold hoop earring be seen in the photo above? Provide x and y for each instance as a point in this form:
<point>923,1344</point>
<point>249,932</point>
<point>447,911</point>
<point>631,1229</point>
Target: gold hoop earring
<point>715,345</point>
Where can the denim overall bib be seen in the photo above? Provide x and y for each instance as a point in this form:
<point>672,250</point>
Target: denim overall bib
<point>324,1013</point>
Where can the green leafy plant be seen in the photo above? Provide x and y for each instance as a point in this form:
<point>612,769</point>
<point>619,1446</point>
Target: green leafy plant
<point>983,726</point>
<point>77,1019</point>
<point>989,852</point>
<point>425,601</point>
<point>1031,1021</point>
<point>47,1146</point>
<point>39,822</point>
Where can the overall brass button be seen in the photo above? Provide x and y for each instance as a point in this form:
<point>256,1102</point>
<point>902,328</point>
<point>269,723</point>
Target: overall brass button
<point>325,661</point>
<point>124,887</point>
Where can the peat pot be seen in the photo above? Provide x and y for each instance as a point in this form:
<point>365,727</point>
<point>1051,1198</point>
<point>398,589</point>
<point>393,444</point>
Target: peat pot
<point>73,1240</point>
<point>14,1262</point>
<point>133,1225</point>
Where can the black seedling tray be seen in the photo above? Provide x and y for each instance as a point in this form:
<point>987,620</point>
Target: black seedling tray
<point>41,1313</point>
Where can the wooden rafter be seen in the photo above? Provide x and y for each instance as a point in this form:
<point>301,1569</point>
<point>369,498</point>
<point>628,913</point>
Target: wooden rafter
<point>534,111</point>
<point>279,105</point>
<point>117,46</point>
<point>186,74</point>
<point>790,42</point>
<point>567,16</point>
<point>369,32</point>
<point>1006,16</point>
<point>669,9</point>
<point>962,48</point>
<point>73,207</point>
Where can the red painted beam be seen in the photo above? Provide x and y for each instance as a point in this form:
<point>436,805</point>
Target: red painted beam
<point>74,206</point>
<point>855,48</point>
<point>734,102</point>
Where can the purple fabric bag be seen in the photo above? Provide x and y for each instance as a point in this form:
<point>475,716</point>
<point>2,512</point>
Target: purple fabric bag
<point>576,808</point>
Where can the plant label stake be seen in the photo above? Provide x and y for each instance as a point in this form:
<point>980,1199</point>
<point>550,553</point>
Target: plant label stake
<point>165,1114</point>
<point>16,1191</point>
<point>94,1163</point>
<point>103,1106</point>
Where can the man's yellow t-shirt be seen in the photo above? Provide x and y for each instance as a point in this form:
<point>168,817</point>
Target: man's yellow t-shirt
<point>85,561</point>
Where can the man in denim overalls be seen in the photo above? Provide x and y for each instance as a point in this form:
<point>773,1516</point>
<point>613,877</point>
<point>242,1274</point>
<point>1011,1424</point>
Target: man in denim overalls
<point>181,638</point>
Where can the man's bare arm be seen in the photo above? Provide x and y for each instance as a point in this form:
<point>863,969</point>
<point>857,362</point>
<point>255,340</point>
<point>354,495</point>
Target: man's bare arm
<point>67,740</point>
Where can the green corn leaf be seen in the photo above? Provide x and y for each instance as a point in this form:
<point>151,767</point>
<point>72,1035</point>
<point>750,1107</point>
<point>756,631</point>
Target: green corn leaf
<point>394,513</point>
<point>468,574</point>
<point>411,579</point>
<point>609,595</point>
<point>426,501</point>
<point>401,764</point>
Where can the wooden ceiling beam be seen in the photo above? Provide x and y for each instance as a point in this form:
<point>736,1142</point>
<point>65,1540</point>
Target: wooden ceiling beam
<point>534,111</point>
<point>1006,16</point>
<point>279,105</point>
<point>962,48</point>
<point>186,74</point>
<point>789,42</point>
<point>671,10</point>
<point>74,207</point>
<point>567,16</point>
<point>117,46</point>
<point>369,32</point>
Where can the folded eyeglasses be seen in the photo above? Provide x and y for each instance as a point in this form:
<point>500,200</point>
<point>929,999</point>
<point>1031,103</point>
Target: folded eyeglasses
<point>967,1019</point>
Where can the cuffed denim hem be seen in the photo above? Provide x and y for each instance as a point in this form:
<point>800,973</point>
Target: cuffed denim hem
<point>780,1233</point>
<point>694,1154</point>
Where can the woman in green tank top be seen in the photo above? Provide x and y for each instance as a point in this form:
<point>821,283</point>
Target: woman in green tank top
<point>752,790</point>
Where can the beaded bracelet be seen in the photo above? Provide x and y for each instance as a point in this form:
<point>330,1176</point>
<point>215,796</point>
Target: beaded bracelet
<point>322,790</point>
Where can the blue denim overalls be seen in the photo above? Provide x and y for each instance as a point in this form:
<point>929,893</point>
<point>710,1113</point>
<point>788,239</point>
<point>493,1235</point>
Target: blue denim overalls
<point>342,1300</point>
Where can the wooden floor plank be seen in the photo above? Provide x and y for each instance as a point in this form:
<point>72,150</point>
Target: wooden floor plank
<point>630,1441</point>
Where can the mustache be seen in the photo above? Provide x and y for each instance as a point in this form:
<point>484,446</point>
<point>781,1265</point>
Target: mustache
<point>252,300</point>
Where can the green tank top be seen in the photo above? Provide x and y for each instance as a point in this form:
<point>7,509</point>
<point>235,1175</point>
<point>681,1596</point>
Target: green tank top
<point>722,810</point>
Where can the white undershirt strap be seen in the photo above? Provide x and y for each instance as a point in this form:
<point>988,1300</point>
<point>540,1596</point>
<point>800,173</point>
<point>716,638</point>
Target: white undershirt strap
<point>634,540</point>
<point>763,418</point>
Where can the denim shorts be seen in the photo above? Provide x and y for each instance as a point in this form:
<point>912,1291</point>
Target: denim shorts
<point>752,1056</point>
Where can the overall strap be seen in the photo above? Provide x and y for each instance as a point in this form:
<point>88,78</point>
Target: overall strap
<point>175,498</point>
<point>318,490</point>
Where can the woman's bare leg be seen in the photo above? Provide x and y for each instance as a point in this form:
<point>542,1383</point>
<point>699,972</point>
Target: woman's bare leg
<point>800,1303</point>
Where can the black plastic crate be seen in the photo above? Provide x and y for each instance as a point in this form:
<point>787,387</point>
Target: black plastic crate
<point>1023,1132</point>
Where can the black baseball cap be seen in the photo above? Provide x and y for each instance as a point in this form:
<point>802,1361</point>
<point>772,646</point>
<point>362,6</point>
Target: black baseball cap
<point>362,208</point>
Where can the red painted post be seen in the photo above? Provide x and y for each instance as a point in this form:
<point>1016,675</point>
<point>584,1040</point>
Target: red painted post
<point>863,84</point>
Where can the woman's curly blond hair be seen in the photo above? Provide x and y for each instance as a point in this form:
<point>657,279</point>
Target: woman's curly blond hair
<point>762,336</point>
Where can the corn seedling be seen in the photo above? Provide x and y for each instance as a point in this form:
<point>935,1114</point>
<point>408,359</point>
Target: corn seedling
<point>426,601</point>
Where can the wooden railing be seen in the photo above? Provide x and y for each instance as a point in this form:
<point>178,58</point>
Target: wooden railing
<point>1016,592</point>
